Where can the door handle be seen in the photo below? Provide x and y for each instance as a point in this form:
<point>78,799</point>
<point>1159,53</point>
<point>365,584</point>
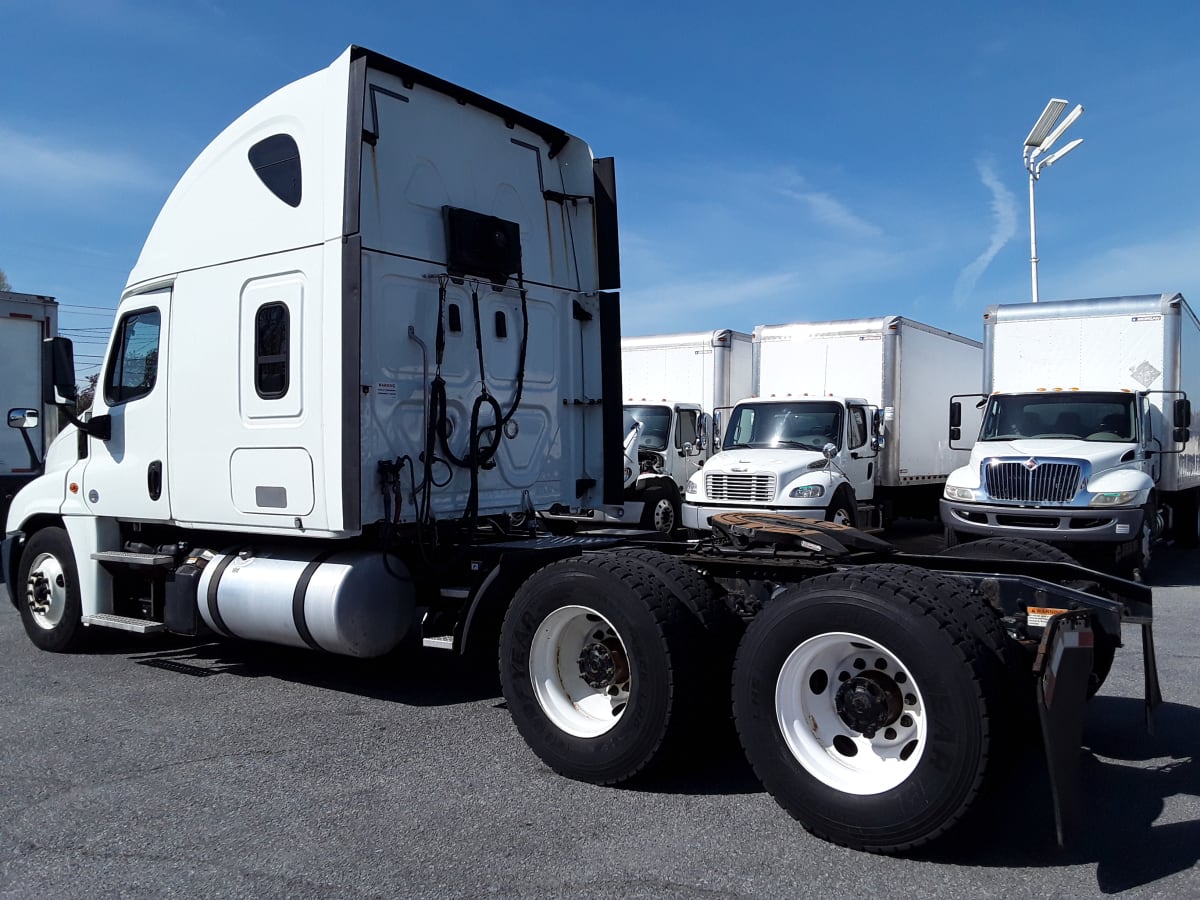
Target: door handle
<point>154,479</point>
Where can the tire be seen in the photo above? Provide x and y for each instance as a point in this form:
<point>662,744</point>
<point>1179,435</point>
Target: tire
<point>864,704</point>
<point>598,664</point>
<point>51,609</point>
<point>842,509</point>
<point>661,510</point>
<point>1104,650</point>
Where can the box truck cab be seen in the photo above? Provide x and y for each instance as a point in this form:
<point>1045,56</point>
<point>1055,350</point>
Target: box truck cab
<point>844,424</point>
<point>812,457</point>
<point>1087,438</point>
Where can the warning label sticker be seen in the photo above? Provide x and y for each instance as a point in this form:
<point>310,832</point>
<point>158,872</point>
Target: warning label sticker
<point>386,389</point>
<point>1038,616</point>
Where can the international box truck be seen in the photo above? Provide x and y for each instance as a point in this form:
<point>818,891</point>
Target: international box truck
<point>844,424</point>
<point>1088,437</point>
<point>372,328</point>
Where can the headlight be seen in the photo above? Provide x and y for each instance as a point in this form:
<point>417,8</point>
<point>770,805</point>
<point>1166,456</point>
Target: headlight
<point>807,492</point>
<point>691,488</point>
<point>959,493</point>
<point>1114,498</point>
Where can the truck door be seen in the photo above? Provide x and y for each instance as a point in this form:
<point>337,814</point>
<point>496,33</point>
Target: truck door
<point>859,460</point>
<point>125,476</point>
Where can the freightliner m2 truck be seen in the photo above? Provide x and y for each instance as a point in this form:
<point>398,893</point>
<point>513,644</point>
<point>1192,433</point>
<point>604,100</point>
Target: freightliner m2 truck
<point>374,327</point>
<point>1088,437</point>
<point>25,321</point>
<point>843,425</point>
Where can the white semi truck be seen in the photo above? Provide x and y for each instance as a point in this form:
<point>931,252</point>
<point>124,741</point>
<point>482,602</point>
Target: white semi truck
<point>369,332</point>
<point>25,321</point>
<point>1088,437</point>
<point>843,425</point>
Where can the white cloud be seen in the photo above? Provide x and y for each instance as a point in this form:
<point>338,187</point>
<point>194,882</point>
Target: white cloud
<point>829,211</point>
<point>35,163</point>
<point>1160,263</point>
<point>1004,226</point>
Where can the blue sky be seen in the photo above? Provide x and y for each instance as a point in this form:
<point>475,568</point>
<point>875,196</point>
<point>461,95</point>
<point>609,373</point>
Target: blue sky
<point>775,162</point>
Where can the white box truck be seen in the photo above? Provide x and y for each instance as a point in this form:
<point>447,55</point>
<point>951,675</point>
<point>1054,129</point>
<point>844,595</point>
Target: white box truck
<point>672,385</point>
<point>25,321</point>
<point>1088,438</point>
<point>843,425</point>
<point>371,324</point>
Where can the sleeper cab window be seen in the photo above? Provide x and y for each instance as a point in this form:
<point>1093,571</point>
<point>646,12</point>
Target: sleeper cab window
<point>272,324</point>
<point>276,161</point>
<point>133,368</point>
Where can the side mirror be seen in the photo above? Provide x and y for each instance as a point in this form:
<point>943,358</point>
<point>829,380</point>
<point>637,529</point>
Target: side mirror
<point>955,415</point>
<point>58,371</point>
<point>23,418</point>
<point>829,451</point>
<point>878,442</point>
<point>703,424</point>
<point>1183,412</point>
<point>1181,435</point>
<point>955,433</point>
<point>689,448</point>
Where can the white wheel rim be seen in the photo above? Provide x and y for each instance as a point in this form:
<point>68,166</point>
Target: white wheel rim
<point>46,591</point>
<point>580,671</point>
<point>821,739</point>
<point>841,517</point>
<point>664,516</point>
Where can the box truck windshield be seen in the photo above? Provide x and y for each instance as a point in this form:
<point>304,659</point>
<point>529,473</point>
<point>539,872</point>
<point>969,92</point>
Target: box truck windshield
<point>1100,416</point>
<point>656,425</point>
<point>809,425</point>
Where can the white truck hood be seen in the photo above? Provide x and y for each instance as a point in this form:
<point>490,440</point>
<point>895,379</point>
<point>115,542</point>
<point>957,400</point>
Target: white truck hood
<point>785,463</point>
<point>1102,455</point>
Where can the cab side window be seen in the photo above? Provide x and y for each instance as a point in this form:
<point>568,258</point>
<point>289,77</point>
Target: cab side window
<point>133,368</point>
<point>858,426</point>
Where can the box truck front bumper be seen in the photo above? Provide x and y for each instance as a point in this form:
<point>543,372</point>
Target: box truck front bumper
<point>1053,524</point>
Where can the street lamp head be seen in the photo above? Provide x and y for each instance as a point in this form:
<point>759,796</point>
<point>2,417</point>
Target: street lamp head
<point>1057,132</point>
<point>1045,122</point>
<point>1059,154</point>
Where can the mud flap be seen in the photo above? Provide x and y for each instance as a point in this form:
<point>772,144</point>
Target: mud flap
<point>1063,665</point>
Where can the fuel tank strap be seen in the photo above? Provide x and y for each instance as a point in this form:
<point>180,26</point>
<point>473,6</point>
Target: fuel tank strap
<point>213,612</point>
<point>298,598</point>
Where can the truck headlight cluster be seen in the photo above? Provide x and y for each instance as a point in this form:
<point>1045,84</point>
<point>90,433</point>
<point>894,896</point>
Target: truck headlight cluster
<point>1114,498</point>
<point>628,473</point>
<point>692,487</point>
<point>807,492</point>
<point>959,493</point>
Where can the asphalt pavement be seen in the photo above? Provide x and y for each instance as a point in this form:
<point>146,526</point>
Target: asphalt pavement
<point>161,768</point>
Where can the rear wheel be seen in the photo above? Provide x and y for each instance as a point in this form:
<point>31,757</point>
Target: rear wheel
<point>51,609</point>
<point>597,663</point>
<point>1186,520</point>
<point>863,701</point>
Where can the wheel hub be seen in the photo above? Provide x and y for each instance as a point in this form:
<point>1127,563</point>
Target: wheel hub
<point>868,702</point>
<point>602,663</point>
<point>39,593</point>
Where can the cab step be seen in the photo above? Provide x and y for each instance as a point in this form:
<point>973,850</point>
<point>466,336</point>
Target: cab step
<point>125,558</point>
<point>123,623</point>
<point>439,642</point>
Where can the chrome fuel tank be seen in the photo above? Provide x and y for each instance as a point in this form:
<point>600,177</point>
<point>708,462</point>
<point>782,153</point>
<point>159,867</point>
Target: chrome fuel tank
<point>347,603</point>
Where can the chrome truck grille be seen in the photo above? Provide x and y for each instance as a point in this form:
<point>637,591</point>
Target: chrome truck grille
<point>740,488</point>
<point>1044,483</point>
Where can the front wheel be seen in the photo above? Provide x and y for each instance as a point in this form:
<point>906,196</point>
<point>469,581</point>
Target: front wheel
<point>51,609</point>
<point>842,510</point>
<point>597,664</point>
<point>863,703</point>
<point>661,510</point>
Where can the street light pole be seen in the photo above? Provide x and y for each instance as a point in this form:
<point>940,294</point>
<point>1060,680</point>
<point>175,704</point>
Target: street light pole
<point>1039,140</point>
